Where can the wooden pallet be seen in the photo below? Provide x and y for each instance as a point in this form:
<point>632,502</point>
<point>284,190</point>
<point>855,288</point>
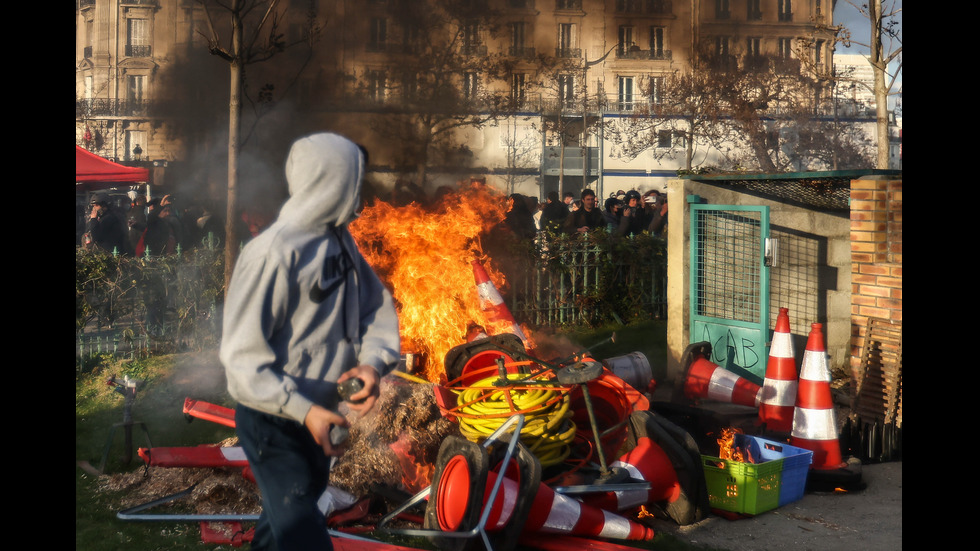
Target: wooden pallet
<point>878,396</point>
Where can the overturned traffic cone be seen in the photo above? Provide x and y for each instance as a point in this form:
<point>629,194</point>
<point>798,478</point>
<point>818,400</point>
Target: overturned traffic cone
<point>814,422</point>
<point>460,492</point>
<point>491,300</point>
<point>704,379</point>
<point>780,385</point>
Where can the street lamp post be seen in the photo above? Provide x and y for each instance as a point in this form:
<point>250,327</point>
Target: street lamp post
<point>585,106</point>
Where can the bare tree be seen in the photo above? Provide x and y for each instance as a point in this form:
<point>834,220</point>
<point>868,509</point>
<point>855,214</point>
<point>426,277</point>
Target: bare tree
<point>254,33</point>
<point>885,58</point>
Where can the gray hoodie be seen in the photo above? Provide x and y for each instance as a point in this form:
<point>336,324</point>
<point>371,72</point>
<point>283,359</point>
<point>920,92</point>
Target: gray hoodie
<point>303,306</point>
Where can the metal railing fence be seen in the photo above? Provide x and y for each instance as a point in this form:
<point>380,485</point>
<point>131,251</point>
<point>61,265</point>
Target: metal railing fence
<point>130,307</point>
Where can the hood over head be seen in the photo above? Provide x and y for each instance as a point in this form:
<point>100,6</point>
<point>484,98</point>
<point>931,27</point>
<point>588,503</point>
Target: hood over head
<point>324,174</point>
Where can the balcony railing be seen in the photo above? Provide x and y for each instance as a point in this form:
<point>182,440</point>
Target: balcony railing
<point>86,108</point>
<point>786,16</point>
<point>655,7</point>
<point>521,51</point>
<point>568,52</point>
<point>662,55</point>
<point>138,50</point>
<point>473,49</point>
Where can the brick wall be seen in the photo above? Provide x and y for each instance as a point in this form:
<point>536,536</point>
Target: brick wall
<point>876,257</point>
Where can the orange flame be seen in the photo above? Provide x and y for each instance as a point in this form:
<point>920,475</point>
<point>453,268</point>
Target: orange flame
<point>423,254</point>
<point>415,476</point>
<point>727,448</point>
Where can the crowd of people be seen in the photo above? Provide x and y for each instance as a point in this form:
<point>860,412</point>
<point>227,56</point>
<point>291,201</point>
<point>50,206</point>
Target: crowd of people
<point>134,225</point>
<point>623,213</point>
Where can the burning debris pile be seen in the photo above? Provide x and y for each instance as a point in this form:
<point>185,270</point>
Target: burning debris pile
<point>394,444</point>
<point>587,456</point>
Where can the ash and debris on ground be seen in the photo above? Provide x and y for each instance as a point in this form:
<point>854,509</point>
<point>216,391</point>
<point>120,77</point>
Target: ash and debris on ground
<point>406,413</point>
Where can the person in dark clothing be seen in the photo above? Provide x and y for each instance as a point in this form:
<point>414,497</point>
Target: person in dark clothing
<point>519,219</point>
<point>612,212</point>
<point>658,221</point>
<point>104,228</point>
<point>635,218</point>
<point>554,214</point>
<point>586,218</point>
<point>159,237</point>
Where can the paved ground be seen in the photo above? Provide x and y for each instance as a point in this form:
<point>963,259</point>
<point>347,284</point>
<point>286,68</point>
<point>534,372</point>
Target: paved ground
<point>869,519</point>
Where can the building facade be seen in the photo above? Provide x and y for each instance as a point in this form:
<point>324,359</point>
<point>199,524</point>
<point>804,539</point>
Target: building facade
<point>524,93</point>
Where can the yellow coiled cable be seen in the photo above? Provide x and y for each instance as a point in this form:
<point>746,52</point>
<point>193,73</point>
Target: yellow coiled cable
<point>548,429</point>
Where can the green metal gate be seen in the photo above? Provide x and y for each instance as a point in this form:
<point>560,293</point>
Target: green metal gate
<point>729,285</point>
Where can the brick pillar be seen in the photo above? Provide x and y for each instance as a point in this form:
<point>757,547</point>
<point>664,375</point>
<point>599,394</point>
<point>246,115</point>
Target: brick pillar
<point>876,257</point>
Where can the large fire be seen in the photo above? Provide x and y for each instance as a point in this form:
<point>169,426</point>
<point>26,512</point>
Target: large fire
<point>424,255</point>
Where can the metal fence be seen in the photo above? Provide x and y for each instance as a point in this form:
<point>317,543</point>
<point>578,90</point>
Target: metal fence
<point>591,280</point>
<point>133,308</point>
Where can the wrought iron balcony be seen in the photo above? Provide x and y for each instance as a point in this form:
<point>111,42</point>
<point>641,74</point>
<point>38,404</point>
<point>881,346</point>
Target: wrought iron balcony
<point>89,108</point>
<point>521,51</point>
<point>568,52</point>
<point>662,55</point>
<point>473,49</point>
<point>649,7</point>
<point>138,50</point>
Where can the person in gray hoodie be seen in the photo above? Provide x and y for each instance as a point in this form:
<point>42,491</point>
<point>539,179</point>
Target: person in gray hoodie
<point>303,313</point>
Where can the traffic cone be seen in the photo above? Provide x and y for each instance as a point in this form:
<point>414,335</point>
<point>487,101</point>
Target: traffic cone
<point>455,495</point>
<point>814,422</point>
<point>647,462</point>
<point>491,300</point>
<point>704,379</point>
<point>779,388</point>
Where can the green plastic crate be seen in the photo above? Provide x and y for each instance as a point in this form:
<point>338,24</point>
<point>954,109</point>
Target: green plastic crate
<point>742,487</point>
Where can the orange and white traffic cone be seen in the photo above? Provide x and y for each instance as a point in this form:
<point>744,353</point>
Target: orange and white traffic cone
<point>779,388</point>
<point>491,300</point>
<point>705,379</point>
<point>647,462</point>
<point>456,494</point>
<point>814,422</point>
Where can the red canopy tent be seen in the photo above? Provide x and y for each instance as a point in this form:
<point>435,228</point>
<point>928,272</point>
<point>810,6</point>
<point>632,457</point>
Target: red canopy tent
<point>93,172</point>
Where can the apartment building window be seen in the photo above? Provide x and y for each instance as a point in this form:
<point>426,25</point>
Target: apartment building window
<point>566,88</point>
<point>657,40</point>
<point>567,40</point>
<point>753,46</point>
<point>89,83</point>
<point>518,88</point>
<point>722,9</point>
<point>818,53</point>
<point>376,85</point>
<point>656,90</point>
<point>785,10</point>
<point>754,10</point>
<point>625,39</point>
<point>378,37</point>
<point>664,138</point>
<point>568,4</point>
<point>626,93</point>
<point>518,39</point>
<point>138,37</point>
<point>472,43</point>
<point>785,48</point>
<point>722,48</point>
<point>136,139</point>
<point>471,86</point>
<point>410,86</point>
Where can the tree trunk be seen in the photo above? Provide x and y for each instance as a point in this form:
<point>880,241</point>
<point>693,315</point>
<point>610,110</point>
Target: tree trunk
<point>234,132</point>
<point>879,68</point>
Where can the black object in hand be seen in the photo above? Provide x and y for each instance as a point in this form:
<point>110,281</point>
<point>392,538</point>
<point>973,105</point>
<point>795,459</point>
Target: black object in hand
<point>350,387</point>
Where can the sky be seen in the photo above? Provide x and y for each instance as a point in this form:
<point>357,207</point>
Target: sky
<point>846,14</point>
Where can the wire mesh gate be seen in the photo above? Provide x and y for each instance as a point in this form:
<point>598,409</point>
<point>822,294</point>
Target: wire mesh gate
<point>729,285</point>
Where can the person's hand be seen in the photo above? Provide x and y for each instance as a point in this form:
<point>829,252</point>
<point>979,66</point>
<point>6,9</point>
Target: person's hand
<point>371,390</point>
<point>319,420</point>
<point>96,211</point>
<point>583,229</point>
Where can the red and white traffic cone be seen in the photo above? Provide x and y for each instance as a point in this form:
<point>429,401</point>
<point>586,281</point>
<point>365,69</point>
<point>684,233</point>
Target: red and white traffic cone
<point>491,300</point>
<point>779,388</point>
<point>549,512</point>
<point>646,462</point>
<point>704,379</point>
<point>814,422</point>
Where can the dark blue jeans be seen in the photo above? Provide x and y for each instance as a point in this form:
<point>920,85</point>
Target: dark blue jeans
<point>292,473</point>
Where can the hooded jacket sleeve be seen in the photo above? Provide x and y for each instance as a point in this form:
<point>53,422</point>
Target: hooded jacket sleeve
<point>255,307</point>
